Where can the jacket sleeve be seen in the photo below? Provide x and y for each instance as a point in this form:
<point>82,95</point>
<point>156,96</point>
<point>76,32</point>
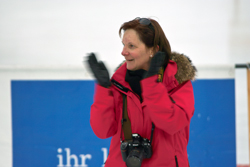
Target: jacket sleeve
<point>102,114</point>
<point>165,114</point>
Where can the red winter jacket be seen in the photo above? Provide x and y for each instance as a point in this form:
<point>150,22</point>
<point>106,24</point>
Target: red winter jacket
<point>171,120</point>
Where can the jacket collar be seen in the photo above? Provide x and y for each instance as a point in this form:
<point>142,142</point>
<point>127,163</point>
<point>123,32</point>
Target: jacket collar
<point>169,74</point>
<point>119,75</point>
<point>178,70</point>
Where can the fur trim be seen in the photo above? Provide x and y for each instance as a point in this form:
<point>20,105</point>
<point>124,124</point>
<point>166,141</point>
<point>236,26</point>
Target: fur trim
<point>186,70</point>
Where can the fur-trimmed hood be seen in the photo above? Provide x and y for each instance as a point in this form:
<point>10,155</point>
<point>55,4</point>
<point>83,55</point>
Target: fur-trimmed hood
<point>185,69</point>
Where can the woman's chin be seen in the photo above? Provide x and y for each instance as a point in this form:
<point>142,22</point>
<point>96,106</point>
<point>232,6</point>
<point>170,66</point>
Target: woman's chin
<point>129,67</point>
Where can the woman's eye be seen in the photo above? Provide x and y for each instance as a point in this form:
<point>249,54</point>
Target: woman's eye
<point>131,46</point>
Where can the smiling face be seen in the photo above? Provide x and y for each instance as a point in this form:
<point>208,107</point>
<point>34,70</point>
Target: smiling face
<point>136,53</point>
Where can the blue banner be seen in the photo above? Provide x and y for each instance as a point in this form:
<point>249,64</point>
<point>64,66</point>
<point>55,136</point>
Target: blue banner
<point>212,131</point>
<point>50,121</point>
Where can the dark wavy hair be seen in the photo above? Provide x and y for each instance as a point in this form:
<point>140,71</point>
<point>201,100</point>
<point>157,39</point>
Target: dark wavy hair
<point>151,37</point>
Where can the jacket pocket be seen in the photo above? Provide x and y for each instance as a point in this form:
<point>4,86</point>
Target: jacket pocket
<point>176,161</point>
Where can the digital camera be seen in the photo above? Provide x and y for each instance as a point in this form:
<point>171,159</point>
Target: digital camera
<point>135,150</point>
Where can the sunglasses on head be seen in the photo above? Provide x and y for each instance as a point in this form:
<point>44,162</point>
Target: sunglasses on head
<point>145,21</point>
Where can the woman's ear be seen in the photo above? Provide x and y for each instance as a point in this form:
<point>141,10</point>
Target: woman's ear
<point>155,50</point>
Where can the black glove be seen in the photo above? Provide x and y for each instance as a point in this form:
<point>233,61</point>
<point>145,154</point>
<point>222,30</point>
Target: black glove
<point>99,70</point>
<point>156,63</point>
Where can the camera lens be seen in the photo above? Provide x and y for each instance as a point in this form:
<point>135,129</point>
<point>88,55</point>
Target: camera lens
<point>133,162</point>
<point>135,158</point>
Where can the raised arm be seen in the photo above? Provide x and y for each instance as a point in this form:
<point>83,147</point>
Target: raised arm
<point>102,114</point>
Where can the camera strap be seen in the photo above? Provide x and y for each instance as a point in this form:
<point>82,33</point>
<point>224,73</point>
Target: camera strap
<point>126,124</point>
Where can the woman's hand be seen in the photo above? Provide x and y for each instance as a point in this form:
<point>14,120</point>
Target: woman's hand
<point>99,70</point>
<point>156,63</point>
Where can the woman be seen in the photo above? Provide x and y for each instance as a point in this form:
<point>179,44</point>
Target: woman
<point>149,99</point>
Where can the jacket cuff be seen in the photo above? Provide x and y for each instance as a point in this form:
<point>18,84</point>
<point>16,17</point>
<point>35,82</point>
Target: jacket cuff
<point>101,91</point>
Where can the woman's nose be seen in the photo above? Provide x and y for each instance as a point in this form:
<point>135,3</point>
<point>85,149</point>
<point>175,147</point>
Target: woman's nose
<point>124,52</point>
